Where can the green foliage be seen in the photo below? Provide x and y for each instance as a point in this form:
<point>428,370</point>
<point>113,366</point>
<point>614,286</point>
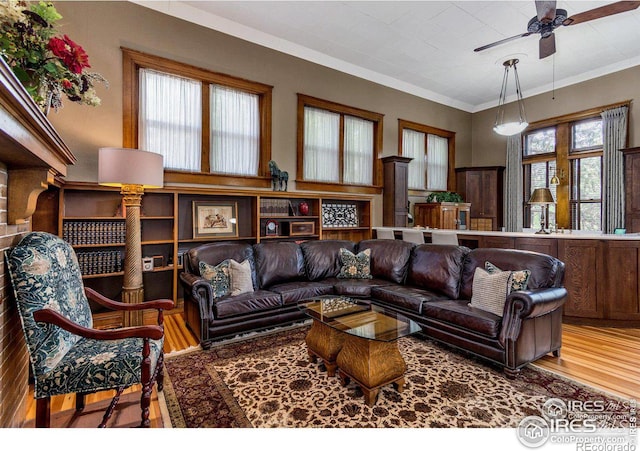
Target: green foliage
<point>444,196</point>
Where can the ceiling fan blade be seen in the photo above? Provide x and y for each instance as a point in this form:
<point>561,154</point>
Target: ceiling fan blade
<point>546,11</point>
<point>547,46</point>
<point>493,44</point>
<point>603,11</point>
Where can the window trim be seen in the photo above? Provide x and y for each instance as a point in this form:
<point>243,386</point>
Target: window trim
<point>451,157</point>
<point>376,118</point>
<point>133,60</point>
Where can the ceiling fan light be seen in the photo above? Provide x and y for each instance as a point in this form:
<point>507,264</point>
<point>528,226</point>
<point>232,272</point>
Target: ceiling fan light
<point>510,128</point>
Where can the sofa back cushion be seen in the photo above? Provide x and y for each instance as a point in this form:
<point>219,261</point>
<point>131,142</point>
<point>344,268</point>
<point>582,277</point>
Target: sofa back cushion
<point>437,268</point>
<point>278,262</point>
<point>546,271</point>
<point>389,258</point>
<point>322,257</point>
<point>215,253</point>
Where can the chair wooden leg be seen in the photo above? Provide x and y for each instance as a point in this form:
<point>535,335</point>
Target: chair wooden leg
<point>80,402</point>
<point>43,412</point>
<point>147,384</point>
<point>112,405</point>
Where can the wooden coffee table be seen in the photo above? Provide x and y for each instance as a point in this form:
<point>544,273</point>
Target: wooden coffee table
<point>360,340</point>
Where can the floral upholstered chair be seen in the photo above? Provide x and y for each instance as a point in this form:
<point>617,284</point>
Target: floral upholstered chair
<point>67,355</point>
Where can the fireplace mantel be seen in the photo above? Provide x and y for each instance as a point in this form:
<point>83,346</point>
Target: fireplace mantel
<point>30,147</point>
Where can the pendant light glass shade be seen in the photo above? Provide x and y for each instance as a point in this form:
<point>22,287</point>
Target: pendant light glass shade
<point>512,127</point>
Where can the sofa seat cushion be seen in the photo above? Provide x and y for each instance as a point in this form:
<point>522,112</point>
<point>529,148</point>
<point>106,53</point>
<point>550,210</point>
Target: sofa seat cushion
<point>462,315</point>
<point>356,287</point>
<point>246,303</point>
<point>410,298</point>
<point>296,291</point>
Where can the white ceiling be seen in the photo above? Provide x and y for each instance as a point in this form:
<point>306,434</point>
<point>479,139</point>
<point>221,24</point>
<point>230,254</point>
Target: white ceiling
<point>426,47</point>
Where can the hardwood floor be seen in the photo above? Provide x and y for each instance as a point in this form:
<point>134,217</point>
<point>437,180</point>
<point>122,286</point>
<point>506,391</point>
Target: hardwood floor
<point>603,358</point>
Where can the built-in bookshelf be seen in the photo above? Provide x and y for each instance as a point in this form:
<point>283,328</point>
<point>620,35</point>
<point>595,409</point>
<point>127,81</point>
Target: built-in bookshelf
<point>91,219</point>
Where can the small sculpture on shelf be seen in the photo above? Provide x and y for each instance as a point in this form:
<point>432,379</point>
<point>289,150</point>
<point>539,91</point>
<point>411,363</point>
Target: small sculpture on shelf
<point>279,179</point>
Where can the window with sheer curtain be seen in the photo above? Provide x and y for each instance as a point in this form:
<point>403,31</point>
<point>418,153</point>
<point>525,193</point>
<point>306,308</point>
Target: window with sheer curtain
<point>200,121</point>
<point>338,145</point>
<point>431,151</point>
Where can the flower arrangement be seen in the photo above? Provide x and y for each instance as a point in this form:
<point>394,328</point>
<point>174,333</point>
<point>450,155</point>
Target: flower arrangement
<point>50,66</point>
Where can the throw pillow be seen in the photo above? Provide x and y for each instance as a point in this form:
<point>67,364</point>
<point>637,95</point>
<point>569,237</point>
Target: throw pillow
<point>241,281</point>
<point>355,266</point>
<point>490,290</point>
<point>518,279</point>
<point>218,277</point>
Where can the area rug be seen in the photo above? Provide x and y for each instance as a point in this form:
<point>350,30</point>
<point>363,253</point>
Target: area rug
<point>268,382</point>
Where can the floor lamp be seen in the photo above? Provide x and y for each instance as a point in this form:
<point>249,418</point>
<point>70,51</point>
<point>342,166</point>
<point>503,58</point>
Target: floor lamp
<point>132,171</point>
<point>542,197</point>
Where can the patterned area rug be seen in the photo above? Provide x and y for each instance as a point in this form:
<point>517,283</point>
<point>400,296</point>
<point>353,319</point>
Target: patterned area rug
<point>269,382</point>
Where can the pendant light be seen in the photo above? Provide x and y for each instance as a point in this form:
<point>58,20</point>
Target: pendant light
<point>512,127</point>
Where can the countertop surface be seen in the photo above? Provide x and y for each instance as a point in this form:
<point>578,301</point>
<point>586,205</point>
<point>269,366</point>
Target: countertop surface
<point>529,233</point>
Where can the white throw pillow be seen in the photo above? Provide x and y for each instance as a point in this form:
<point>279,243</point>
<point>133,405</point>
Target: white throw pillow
<point>241,281</point>
<point>490,290</point>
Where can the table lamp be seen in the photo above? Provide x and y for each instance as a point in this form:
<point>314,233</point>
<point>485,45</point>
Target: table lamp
<point>542,197</point>
<point>132,171</point>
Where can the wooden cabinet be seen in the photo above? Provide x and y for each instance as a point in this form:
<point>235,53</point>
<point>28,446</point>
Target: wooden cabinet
<point>442,215</point>
<point>583,277</point>
<point>395,200</point>
<point>482,187</point>
<point>632,189</point>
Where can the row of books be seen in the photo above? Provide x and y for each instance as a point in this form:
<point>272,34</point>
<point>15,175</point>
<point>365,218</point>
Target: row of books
<point>275,207</point>
<point>93,232</point>
<point>99,262</point>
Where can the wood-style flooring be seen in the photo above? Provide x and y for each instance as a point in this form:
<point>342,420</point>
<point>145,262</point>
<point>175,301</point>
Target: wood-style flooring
<point>604,358</point>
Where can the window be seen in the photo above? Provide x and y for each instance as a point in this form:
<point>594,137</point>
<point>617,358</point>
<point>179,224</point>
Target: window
<point>569,148</point>
<point>338,147</point>
<point>209,127</point>
<point>433,153</point>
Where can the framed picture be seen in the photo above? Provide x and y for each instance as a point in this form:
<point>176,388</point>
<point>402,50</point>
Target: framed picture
<point>214,219</point>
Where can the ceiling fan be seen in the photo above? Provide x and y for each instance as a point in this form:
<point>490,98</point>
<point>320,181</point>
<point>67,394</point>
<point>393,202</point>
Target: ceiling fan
<point>549,18</point>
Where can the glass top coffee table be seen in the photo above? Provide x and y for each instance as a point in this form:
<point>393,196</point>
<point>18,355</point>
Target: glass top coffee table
<point>359,340</point>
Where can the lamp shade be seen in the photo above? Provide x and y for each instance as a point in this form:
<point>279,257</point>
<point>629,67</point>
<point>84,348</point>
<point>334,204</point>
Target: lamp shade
<point>541,196</point>
<point>118,166</point>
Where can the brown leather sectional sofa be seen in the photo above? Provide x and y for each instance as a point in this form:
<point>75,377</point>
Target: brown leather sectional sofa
<point>432,284</point>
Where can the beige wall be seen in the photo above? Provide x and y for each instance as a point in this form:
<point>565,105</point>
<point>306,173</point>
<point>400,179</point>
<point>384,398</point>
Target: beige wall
<point>489,148</point>
<point>103,27</point>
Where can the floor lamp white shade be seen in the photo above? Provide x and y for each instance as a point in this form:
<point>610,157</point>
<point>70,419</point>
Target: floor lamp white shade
<point>132,170</point>
<point>120,166</point>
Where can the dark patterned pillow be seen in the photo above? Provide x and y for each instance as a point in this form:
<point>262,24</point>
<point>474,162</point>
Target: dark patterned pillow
<point>218,277</point>
<point>355,266</point>
<point>518,280</point>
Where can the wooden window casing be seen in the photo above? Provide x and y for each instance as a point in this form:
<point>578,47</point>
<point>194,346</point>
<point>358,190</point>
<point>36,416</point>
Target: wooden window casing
<point>134,60</point>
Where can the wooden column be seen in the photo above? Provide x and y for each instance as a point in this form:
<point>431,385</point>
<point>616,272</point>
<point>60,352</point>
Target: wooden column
<point>132,288</point>
<point>395,208</point>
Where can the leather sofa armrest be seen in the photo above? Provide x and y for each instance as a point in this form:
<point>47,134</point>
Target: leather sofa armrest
<point>198,290</point>
<point>533,303</point>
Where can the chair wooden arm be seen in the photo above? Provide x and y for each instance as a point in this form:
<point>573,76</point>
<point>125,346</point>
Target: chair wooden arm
<point>52,317</point>
<point>158,304</point>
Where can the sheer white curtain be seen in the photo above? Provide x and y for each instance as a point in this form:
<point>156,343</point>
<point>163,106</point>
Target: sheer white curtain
<point>321,145</point>
<point>170,121</point>
<point>358,151</point>
<point>235,131</point>
<point>413,146</point>
<point>437,162</point>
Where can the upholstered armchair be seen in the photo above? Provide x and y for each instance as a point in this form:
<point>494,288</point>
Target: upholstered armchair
<point>67,354</point>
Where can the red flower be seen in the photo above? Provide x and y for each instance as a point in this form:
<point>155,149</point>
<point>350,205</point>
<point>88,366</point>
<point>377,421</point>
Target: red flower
<point>72,55</point>
<point>66,84</point>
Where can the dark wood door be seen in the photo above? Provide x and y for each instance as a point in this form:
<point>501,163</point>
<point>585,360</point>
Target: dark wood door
<point>632,189</point>
<point>620,281</point>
